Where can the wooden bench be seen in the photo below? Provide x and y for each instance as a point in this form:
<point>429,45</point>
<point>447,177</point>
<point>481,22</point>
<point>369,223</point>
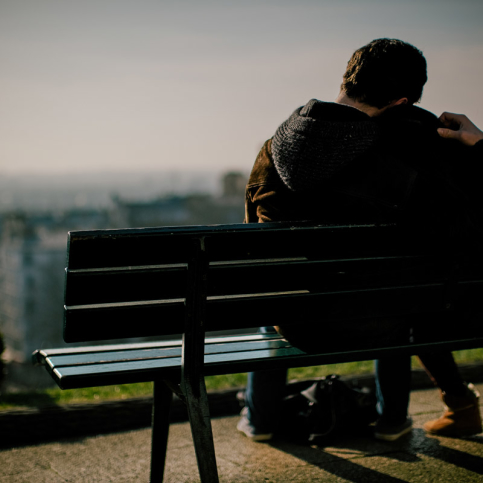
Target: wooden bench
<point>183,281</point>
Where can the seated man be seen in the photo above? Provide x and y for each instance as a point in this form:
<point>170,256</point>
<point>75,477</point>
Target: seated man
<point>370,157</point>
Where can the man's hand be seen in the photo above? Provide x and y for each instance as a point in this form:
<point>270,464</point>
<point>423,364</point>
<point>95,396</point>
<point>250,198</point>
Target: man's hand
<point>459,127</point>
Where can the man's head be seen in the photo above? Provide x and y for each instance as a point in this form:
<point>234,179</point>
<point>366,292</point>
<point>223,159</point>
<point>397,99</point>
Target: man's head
<point>385,71</point>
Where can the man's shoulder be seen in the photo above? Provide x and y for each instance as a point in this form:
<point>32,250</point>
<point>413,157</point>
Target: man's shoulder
<point>409,120</point>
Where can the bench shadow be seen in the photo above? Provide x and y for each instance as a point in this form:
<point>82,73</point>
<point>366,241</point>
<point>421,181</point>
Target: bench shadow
<point>434,448</point>
<point>339,457</point>
<point>345,468</point>
<point>475,439</point>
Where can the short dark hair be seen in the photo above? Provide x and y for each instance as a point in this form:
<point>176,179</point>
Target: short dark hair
<point>383,71</point>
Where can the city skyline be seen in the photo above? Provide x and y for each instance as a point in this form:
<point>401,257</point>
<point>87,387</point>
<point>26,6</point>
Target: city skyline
<point>100,86</point>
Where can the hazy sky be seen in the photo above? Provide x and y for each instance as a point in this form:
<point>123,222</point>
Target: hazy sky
<point>103,85</point>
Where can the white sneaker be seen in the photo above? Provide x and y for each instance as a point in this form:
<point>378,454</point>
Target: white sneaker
<point>245,427</point>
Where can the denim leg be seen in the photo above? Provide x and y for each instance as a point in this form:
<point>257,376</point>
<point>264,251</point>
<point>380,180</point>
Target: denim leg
<point>443,371</point>
<point>264,393</point>
<point>393,385</point>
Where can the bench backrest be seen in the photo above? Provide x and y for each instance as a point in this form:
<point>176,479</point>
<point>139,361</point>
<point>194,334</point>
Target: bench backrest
<point>160,281</point>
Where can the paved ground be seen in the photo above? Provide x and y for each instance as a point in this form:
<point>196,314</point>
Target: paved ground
<point>124,457</point>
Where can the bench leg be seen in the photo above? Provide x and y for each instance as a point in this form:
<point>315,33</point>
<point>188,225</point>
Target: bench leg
<point>200,422</point>
<point>160,429</point>
<point>192,360</point>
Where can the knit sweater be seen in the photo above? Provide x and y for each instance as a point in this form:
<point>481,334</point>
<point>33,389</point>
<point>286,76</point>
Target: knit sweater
<point>318,140</point>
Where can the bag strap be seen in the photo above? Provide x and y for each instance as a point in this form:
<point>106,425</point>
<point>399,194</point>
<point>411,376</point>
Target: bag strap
<point>333,414</point>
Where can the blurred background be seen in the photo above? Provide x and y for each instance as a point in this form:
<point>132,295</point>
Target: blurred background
<point>119,113</point>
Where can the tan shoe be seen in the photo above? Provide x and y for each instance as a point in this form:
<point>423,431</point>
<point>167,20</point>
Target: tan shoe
<point>461,417</point>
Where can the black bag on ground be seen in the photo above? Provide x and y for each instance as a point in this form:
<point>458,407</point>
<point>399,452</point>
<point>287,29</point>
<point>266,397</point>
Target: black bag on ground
<point>317,411</point>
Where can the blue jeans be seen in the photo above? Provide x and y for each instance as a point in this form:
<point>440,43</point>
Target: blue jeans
<point>264,393</point>
<point>266,389</point>
<point>393,385</point>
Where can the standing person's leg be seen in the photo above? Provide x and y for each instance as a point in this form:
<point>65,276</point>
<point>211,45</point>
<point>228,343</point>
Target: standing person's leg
<point>443,371</point>
<point>462,414</point>
<point>263,401</point>
<point>393,385</point>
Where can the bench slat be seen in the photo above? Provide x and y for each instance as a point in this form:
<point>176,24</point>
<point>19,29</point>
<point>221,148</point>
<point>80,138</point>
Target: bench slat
<point>39,354</point>
<point>122,285</point>
<point>229,362</point>
<point>103,286</point>
<point>151,319</point>
<point>154,353</point>
<point>156,246</point>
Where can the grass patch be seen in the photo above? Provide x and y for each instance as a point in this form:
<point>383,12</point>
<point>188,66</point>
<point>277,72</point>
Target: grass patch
<point>468,355</point>
<point>57,396</point>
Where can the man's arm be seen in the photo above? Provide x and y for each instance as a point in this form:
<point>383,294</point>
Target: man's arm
<point>459,127</point>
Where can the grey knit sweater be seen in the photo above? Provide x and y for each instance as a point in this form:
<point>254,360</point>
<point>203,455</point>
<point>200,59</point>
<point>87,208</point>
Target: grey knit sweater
<point>318,140</point>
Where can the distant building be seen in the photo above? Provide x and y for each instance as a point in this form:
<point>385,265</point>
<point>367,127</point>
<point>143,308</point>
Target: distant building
<point>194,209</point>
<point>33,253</point>
<point>170,210</point>
<point>234,184</point>
<point>32,268</point>
<point>32,263</point>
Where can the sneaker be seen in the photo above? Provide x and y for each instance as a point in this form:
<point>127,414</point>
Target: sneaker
<point>240,397</point>
<point>245,427</point>
<point>387,432</point>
